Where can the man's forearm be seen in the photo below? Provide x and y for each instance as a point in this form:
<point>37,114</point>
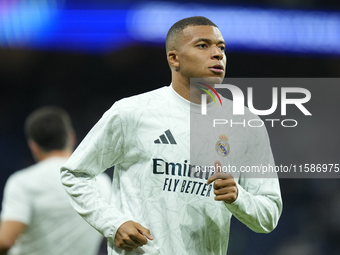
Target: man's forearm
<point>89,203</point>
<point>4,247</point>
<point>9,233</point>
<point>3,252</point>
<point>259,212</point>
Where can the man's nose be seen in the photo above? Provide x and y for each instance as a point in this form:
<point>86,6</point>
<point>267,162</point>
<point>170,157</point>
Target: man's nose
<point>217,53</point>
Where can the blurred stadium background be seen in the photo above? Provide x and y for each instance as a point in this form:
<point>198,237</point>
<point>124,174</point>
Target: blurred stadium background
<point>85,55</point>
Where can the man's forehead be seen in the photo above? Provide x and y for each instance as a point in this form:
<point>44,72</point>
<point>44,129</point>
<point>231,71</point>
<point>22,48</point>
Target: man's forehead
<point>192,33</point>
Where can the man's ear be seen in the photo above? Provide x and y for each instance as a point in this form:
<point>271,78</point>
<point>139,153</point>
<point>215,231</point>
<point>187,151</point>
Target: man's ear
<point>72,139</point>
<point>35,149</point>
<point>173,59</point>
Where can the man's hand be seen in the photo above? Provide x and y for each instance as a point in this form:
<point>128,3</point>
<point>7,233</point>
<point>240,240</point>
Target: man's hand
<point>131,235</point>
<point>9,233</point>
<point>225,187</point>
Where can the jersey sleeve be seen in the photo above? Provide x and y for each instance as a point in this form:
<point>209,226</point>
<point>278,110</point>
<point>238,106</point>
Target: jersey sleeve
<point>101,148</point>
<point>259,203</point>
<point>104,184</point>
<point>16,204</point>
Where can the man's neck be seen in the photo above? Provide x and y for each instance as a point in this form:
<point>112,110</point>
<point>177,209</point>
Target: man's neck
<point>190,93</point>
<point>55,153</point>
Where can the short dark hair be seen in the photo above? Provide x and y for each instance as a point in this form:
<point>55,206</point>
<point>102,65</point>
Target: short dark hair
<point>183,23</point>
<point>49,127</point>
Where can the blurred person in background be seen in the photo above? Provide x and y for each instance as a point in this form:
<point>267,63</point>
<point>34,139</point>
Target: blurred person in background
<point>37,217</point>
<point>159,205</point>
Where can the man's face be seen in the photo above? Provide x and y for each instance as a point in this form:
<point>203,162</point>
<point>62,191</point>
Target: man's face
<point>201,53</point>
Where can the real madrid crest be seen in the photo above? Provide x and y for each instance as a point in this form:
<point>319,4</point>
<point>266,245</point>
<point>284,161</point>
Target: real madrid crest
<point>222,146</point>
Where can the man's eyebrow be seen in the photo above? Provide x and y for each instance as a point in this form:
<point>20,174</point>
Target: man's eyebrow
<point>208,41</point>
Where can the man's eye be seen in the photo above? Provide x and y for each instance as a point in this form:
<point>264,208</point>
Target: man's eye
<point>202,46</point>
<point>222,48</point>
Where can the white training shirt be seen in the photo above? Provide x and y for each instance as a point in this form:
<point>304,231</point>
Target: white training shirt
<point>35,197</point>
<point>147,139</point>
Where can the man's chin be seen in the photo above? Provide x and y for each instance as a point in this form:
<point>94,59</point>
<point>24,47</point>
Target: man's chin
<point>212,80</point>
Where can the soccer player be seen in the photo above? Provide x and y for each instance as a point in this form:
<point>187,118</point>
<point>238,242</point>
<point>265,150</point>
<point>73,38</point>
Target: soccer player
<point>159,204</point>
<point>36,217</point>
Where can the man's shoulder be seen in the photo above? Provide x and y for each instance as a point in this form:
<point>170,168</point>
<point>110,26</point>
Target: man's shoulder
<point>151,97</point>
<point>21,177</point>
<point>145,102</point>
<point>39,169</point>
<point>24,172</point>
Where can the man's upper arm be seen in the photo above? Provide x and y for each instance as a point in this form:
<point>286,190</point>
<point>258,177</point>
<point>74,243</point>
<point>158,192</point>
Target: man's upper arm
<point>17,200</point>
<point>104,184</point>
<point>16,211</point>
<point>259,203</point>
<point>261,183</point>
<point>9,233</point>
<point>102,148</point>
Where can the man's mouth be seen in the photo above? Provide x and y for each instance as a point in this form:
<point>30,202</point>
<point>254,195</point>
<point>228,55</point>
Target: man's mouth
<point>217,68</point>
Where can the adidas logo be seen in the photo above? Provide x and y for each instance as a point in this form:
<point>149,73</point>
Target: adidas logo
<point>163,138</point>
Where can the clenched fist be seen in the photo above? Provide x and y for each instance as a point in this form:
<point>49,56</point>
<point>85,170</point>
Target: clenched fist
<point>225,187</point>
<point>131,235</point>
